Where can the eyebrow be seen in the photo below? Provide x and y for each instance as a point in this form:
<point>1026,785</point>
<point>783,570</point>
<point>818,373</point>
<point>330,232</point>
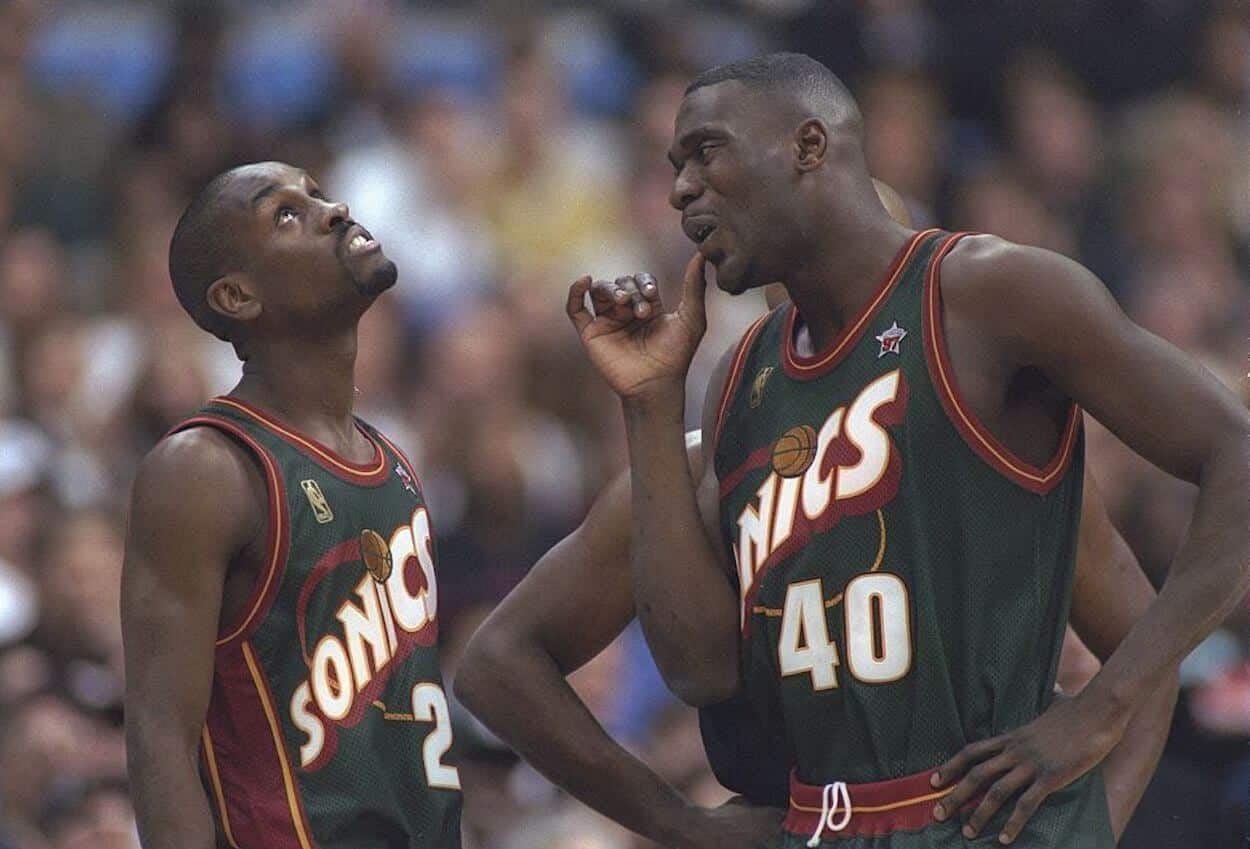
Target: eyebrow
<point>691,138</point>
<point>264,193</point>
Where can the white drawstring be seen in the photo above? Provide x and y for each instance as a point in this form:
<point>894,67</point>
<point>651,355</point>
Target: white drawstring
<point>829,799</point>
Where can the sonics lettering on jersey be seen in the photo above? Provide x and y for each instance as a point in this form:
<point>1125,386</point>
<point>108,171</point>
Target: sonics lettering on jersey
<point>382,623</point>
<point>855,471</point>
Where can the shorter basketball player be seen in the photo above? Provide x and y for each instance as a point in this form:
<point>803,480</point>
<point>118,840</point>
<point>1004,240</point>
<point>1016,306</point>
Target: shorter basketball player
<point>579,597</point>
<point>279,604</point>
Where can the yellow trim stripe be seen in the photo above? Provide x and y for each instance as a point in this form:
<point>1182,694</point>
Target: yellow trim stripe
<point>877,809</point>
<point>274,483</point>
<point>311,446</point>
<point>1018,467</point>
<point>288,779</point>
<point>210,757</point>
<point>864,317</point>
<point>837,599</point>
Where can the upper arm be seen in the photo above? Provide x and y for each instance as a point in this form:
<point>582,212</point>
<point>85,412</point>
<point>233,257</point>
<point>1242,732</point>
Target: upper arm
<point>1109,591</point>
<point>707,486</point>
<point>580,595</point>
<point>193,508</point>
<point>1050,312</point>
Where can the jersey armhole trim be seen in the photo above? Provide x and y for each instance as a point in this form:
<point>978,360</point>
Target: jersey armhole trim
<point>732,379</point>
<point>279,527</point>
<point>978,437</point>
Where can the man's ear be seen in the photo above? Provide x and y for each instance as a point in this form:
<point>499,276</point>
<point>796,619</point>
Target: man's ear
<point>811,143</point>
<point>234,297</point>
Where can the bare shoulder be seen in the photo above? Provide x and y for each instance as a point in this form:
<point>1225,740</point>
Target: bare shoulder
<point>197,480</point>
<point>982,270</point>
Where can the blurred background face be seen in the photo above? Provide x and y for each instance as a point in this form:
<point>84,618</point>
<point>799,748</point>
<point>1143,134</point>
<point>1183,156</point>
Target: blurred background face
<point>499,154</point>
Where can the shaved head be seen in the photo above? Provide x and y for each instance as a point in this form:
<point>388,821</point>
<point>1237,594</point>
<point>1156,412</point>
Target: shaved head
<point>808,83</point>
<point>201,251</point>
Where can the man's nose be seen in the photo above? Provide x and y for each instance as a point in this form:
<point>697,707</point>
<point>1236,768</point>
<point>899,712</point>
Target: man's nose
<point>685,189</point>
<point>336,215</point>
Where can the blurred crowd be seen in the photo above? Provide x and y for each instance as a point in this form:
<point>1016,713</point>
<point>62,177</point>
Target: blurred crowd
<point>498,150</point>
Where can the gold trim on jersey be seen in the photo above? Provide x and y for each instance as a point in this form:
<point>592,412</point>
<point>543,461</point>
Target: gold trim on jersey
<point>837,599</point>
<point>877,809</point>
<point>292,799</point>
<point>210,757</point>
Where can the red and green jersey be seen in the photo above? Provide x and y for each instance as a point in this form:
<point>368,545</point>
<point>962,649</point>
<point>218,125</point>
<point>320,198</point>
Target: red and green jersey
<point>328,725</point>
<point>904,577</point>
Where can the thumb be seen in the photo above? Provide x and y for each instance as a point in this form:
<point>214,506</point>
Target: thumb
<point>694,286</point>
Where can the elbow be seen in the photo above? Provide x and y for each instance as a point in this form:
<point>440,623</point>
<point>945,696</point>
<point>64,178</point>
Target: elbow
<point>484,662</point>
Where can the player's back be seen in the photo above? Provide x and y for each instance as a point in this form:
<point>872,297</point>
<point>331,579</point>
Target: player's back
<point>327,725</point>
<point>905,579</point>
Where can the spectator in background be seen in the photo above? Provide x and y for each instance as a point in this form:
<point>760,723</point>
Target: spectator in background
<point>468,136</point>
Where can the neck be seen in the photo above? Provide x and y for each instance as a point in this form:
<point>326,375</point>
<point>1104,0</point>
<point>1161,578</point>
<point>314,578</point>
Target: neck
<point>842,265</point>
<point>309,385</point>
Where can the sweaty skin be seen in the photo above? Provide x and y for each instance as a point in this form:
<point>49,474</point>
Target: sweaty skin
<point>198,516</point>
<point>1026,328</point>
<point>579,597</point>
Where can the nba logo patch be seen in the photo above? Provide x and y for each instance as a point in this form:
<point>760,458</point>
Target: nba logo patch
<point>889,340</point>
<point>757,386</point>
<point>317,501</point>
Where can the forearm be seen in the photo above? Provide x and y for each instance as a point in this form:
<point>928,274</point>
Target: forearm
<point>684,599</point>
<point>1131,764</point>
<point>517,690</point>
<point>171,809</point>
<point>1208,577</point>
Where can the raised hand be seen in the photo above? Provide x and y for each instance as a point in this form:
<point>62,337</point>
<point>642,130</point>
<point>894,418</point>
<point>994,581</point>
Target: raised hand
<point>637,346</point>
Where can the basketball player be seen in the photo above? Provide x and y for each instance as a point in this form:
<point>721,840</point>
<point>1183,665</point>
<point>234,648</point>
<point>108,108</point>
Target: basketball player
<point>279,603</point>
<point>579,597</point>
<point>898,463</point>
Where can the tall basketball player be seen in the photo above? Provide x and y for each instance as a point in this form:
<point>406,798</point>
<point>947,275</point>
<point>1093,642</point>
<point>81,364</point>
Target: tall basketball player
<point>579,597</point>
<point>897,460</point>
<point>279,603</point>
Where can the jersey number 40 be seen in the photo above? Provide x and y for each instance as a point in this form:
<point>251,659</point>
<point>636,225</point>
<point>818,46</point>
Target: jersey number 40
<point>878,631</point>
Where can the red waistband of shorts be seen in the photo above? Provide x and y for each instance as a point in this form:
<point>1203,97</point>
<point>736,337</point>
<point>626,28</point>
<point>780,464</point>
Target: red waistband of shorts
<point>877,809</point>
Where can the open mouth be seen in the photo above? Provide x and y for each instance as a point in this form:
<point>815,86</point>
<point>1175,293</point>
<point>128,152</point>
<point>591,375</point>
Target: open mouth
<point>361,241</point>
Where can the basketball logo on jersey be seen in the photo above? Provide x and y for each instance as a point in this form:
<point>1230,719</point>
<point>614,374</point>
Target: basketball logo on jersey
<point>317,501</point>
<point>389,614</point>
<point>890,339</point>
<point>376,554</point>
<point>757,386</point>
<point>849,467</point>
<point>794,451</point>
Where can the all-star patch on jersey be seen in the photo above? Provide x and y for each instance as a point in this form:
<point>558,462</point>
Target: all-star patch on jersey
<point>904,578</point>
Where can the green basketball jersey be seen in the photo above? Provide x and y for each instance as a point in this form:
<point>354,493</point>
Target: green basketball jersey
<point>904,577</point>
<point>328,725</point>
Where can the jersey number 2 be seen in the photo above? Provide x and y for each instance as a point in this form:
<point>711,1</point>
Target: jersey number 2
<point>878,631</point>
<point>429,704</point>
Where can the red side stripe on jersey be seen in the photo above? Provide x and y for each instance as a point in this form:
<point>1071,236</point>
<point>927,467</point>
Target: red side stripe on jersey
<point>279,525</point>
<point>295,805</point>
<point>248,761</point>
<point>731,380</point>
<point>214,777</point>
<point>371,472</point>
<point>979,438</point>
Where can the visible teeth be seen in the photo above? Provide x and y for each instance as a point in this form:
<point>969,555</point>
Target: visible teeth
<point>358,241</point>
